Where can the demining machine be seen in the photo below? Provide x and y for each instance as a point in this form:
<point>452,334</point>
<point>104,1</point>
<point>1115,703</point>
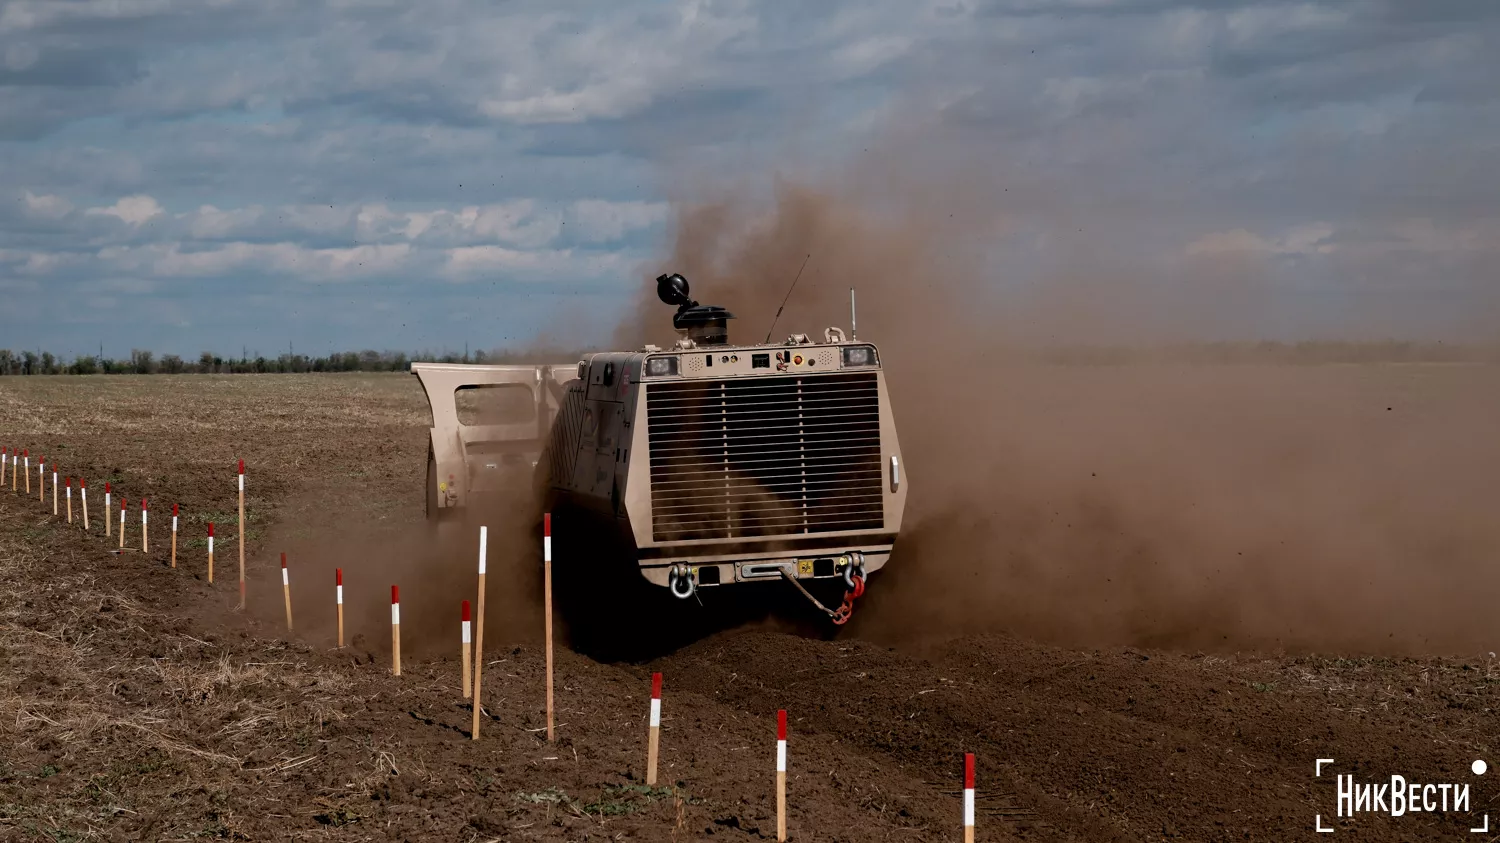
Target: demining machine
<point>699,468</point>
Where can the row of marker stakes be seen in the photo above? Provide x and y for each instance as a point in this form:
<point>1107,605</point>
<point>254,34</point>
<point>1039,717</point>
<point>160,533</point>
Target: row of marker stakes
<point>18,464</point>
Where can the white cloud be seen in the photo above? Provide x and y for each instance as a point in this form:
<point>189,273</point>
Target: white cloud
<point>171,260</point>
<point>22,15</point>
<point>1314,238</point>
<point>600,221</point>
<point>210,223</point>
<point>612,66</point>
<point>131,209</point>
<point>468,262</point>
<point>47,206</point>
<point>862,57</point>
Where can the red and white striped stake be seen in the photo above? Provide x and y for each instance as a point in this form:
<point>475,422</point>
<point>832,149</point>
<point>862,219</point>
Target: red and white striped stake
<point>107,515</point>
<point>395,631</point>
<point>54,490</point>
<point>83,489</point>
<point>781,774</point>
<point>338,586</point>
<point>210,553</point>
<point>466,650</point>
<point>70,500</point>
<point>41,481</point>
<point>242,534</point>
<point>968,797</point>
<point>547,589</point>
<point>174,535</point>
<point>122,522</point>
<point>286,592</point>
<point>484,545</point>
<point>145,534</point>
<point>653,740</point>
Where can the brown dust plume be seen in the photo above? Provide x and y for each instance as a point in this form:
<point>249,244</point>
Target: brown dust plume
<point>1212,506</point>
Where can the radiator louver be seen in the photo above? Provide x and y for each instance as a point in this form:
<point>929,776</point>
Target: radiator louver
<point>777,456</point>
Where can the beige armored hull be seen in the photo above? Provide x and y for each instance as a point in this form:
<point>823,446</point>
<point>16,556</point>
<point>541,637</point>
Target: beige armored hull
<point>712,466</point>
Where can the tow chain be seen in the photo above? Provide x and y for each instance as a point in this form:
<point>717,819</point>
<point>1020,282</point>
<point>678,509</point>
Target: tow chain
<point>845,610</point>
<point>841,615</point>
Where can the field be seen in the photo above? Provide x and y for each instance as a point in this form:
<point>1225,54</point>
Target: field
<point>137,703</point>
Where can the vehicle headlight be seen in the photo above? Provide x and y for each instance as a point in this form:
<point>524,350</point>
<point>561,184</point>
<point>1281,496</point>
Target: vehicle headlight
<point>860,355</point>
<point>661,366</point>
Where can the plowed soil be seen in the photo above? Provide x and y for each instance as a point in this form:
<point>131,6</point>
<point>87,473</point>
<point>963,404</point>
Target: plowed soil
<point>138,703</point>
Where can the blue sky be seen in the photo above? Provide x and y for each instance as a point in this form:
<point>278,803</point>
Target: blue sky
<point>185,175</point>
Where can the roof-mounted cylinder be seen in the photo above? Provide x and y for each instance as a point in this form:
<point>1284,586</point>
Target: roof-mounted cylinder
<point>700,323</point>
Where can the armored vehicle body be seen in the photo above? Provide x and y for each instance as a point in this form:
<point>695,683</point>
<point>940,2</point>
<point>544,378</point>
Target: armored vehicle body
<point>699,467</point>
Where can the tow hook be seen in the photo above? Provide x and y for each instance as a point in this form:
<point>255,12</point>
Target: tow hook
<point>854,588</point>
<point>854,571</point>
<point>682,581</point>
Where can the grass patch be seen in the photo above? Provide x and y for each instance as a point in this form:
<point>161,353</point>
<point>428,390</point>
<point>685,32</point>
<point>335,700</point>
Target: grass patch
<point>616,800</point>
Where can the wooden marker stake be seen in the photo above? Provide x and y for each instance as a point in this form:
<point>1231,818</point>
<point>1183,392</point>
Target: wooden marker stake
<point>653,740</point>
<point>210,553</point>
<point>781,774</point>
<point>174,535</point>
<point>286,592</point>
<point>54,490</point>
<point>70,500</point>
<point>242,535</point>
<point>547,588</point>
<point>395,631</point>
<point>338,585</point>
<point>484,543</point>
<point>41,481</point>
<point>107,515</point>
<point>122,522</point>
<point>26,455</point>
<point>145,534</point>
<point>466,650</point>
<point>4,462</point>
<point>968,797</point>
<point>83,489</point>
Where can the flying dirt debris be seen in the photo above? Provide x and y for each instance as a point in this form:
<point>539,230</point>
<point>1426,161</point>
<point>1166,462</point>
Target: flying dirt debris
<point>698,469</point>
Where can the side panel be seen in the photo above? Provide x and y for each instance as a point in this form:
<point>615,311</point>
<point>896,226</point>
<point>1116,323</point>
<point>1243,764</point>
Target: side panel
<point>563,447</point>
<point>892,463</point>
<point>455,446</point>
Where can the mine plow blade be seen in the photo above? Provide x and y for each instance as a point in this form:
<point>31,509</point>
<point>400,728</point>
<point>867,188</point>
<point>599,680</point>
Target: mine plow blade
<point>489,426</point>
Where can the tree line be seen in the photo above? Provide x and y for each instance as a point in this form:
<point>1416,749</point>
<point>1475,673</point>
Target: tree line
<point>142,362</point>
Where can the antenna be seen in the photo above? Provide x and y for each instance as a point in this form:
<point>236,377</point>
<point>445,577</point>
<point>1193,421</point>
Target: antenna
<point>788,296</point>
<point>853,320</point>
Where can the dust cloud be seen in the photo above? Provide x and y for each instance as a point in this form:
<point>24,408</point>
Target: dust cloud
<point>435,567</point>
<point>1207,506</point>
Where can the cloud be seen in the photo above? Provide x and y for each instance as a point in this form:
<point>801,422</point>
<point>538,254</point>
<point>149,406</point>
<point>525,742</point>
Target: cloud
<point>173,260</point>
<point>47,207</point>
<point>1313,238</point>
<point>130,209</point>
<point>228,156</point>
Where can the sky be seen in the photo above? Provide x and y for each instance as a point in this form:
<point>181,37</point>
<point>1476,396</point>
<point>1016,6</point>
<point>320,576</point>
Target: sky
<point>190,175</point>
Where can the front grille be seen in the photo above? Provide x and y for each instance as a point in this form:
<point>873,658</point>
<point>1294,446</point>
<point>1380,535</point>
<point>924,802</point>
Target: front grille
<point>748,457</point>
